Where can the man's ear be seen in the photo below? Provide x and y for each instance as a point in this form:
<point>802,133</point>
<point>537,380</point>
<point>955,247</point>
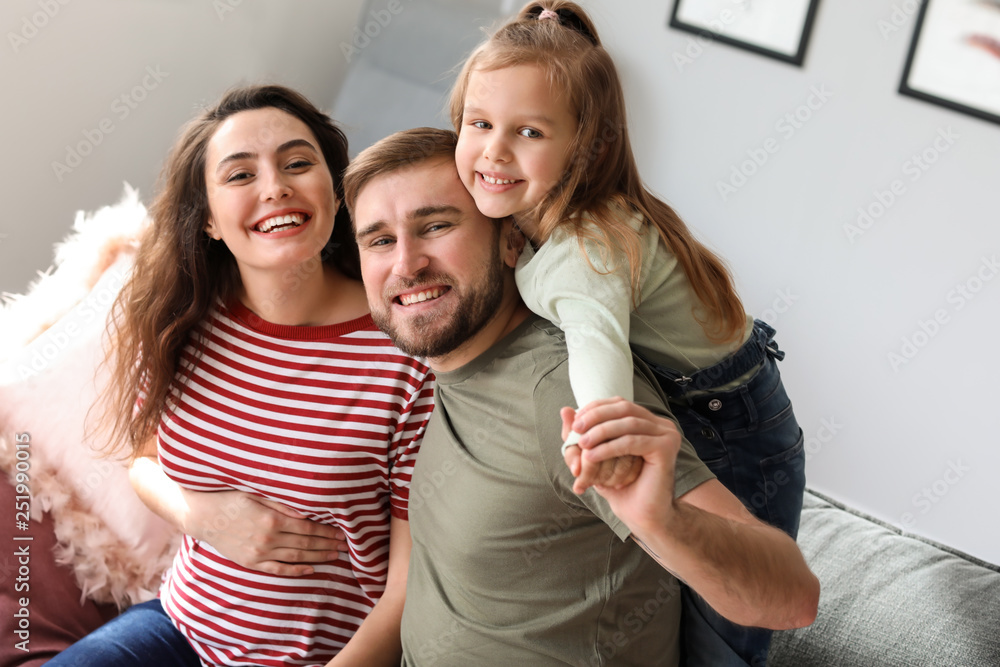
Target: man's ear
<point>513,241</point>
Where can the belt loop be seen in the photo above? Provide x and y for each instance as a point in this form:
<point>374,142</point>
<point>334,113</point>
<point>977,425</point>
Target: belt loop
<point>751,409</point>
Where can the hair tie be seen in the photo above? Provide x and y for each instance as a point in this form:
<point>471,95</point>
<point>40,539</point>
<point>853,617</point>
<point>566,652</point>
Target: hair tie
<point>548,14</point>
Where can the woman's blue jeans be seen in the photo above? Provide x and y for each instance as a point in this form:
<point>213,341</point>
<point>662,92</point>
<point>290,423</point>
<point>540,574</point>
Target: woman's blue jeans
<point>143,636</point>
<point>749,438</point>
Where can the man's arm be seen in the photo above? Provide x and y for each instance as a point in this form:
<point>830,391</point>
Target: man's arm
<point>749,572</point>
<point>377,641</point>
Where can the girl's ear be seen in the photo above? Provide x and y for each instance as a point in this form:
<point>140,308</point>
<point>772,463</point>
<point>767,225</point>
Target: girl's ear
<point>514,242</point>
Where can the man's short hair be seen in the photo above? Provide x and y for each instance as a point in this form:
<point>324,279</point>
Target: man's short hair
<point>397,151</point>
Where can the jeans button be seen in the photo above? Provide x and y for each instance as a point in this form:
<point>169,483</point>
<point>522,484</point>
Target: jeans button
<point>707,433</point>
<point>714,404</point>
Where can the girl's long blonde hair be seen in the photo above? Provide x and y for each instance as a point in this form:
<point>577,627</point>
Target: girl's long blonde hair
<point>602,178</point>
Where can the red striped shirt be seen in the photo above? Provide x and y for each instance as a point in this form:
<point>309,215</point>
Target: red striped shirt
<point>326,420</point>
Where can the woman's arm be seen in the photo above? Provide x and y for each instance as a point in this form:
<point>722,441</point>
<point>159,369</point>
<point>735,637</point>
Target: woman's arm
<point>377,641</point>
<point>254,532</point>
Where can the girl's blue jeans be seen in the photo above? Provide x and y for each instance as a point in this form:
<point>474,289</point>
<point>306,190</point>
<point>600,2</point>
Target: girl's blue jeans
<point>749,438</point>
<point>143,636</point>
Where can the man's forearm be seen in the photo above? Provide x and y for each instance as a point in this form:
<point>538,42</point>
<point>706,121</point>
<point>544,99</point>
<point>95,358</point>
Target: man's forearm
<point>750,573</point>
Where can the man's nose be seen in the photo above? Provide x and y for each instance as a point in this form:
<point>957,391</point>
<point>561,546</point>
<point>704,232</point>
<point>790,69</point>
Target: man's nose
<point>411,258</point>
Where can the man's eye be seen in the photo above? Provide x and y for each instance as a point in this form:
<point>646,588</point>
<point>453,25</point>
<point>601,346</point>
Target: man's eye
<point>379,242</point>
<point>530,133</point>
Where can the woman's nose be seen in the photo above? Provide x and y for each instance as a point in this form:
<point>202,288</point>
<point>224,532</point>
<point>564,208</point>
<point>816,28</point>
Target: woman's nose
<point>275,185</point>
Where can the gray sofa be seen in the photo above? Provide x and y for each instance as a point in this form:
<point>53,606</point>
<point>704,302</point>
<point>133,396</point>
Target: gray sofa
<point>890,599</point>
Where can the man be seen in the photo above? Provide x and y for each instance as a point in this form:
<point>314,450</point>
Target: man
<point>509,564</point>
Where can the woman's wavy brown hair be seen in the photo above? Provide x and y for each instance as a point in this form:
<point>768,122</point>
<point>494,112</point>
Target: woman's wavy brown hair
<point>179,272</point>
<point>602,178</point>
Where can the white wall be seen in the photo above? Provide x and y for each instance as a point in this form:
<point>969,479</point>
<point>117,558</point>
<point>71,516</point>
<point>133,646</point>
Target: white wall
<point>63,84</point>
<point>916,444</point>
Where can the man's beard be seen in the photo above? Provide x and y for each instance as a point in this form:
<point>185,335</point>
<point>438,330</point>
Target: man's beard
<point>435,335</point>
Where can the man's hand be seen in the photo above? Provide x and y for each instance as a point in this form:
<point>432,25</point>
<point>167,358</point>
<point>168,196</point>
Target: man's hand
<point>611,473</point>
<point>751,573</point>
<point>618,430</point>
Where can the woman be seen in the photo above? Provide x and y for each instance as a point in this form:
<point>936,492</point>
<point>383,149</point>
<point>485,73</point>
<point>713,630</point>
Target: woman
<point>247,361</point>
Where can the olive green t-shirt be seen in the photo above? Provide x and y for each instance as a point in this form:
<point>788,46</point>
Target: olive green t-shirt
<point>509,566</point>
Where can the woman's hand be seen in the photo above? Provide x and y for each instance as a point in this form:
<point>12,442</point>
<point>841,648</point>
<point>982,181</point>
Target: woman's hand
<point>261,534</point>
<point>256,533</point>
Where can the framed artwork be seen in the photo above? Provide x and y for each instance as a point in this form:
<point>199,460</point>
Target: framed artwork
<point>954,58</point>
<point>776,28</point>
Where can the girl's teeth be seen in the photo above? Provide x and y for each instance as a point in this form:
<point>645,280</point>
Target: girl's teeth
<point>497,181</point>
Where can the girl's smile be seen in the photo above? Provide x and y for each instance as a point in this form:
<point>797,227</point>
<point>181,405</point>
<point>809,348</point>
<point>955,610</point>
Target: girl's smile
<point>516,136</point>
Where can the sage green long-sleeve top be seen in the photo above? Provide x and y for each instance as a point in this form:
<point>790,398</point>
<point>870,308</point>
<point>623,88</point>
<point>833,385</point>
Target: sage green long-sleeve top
<point>593,306</point>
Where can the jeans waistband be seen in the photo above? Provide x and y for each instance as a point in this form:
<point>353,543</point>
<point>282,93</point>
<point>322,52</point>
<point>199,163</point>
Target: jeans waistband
<point>750,355</point>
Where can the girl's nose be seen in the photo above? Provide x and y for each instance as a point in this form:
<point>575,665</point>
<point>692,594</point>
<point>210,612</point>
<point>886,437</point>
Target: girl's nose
<point>496,150</point>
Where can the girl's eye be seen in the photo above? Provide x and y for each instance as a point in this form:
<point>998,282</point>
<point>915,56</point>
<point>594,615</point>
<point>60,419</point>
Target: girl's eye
<point>481,124</point>
<point>530,133</point>
<point>300,164</point>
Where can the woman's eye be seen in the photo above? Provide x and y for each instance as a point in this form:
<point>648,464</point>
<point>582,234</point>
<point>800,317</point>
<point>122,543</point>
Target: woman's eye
<point>238,176</point>
<point>300,164</point>
<point>530,133</point>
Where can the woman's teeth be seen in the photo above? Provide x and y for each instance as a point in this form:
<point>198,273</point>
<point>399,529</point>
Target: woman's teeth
<point>282,221</point>
<point>407,299</point>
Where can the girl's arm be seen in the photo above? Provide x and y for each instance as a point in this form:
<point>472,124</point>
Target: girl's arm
<point>254,532</point>
<point>377,641</point>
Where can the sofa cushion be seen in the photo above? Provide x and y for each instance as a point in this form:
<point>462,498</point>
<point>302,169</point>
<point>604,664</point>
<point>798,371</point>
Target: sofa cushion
<point>888,598</point>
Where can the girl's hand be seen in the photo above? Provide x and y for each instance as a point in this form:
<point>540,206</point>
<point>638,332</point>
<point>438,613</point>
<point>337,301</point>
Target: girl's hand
<point>261,534</point>
<point>613,473</point>
<point>613,428</point>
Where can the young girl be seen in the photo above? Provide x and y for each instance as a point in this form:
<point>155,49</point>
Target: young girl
<point>542,137</point>
<point>268,402</point>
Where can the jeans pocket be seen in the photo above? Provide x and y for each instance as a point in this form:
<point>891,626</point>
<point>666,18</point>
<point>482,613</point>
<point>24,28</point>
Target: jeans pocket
<point>782,483</point>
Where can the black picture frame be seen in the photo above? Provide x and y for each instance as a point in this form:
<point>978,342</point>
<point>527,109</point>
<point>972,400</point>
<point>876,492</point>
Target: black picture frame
<point>794,56</point>
<point>923,76</point>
